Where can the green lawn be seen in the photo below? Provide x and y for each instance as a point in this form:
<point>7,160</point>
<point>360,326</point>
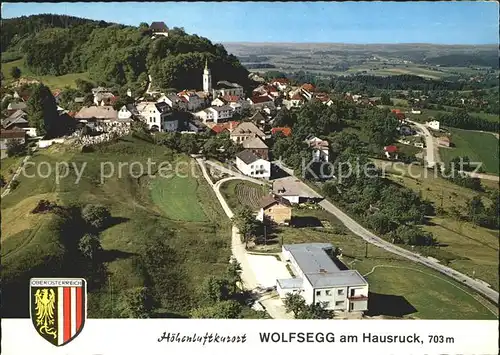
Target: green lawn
<point>52,81</point>
<point>429,294</point>
<point>478,146</point>
<point>177,198</point>
<point>31,243</point>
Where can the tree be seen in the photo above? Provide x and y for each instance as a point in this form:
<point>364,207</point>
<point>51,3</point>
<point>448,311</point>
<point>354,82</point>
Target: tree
<point>294,303</point>
<point>385,99</point>
<point>221,310</point>
<point>42,111</point>
<point>84,85</point>
<point>96,216</point>
<point>15,147</point>
<point>314,311</point>
<point>233,275</point>
<point>90,246</point>
<point>15,72</point>
<point>246,223</point>
<point>215,289</point>
<point>136,303</point>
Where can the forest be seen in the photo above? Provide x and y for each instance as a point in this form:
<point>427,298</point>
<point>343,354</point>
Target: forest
<point>115,54</point>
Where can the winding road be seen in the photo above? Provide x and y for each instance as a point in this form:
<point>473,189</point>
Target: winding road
<point>477,285</point>
<point>273,308</point>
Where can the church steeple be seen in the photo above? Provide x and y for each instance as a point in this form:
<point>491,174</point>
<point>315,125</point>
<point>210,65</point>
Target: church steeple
<point>207,78</point>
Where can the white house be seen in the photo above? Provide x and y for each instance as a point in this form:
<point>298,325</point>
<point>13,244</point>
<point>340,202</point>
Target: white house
<point>218,102</point>
<point>215,114</point>
<point>221,113</point>
<point>158,116</point>
<point>319,280</point>
<point>319,147</point>
<point>252,165</point>
<point>433,125</point>
<point>416,112</point>
<point>128,112</point>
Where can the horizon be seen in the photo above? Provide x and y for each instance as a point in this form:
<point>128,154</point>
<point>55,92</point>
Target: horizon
<point>349,23</point>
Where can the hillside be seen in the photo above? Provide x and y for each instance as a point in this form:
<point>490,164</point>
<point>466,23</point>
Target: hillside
<point>41,245</point>
<point>115,55</point>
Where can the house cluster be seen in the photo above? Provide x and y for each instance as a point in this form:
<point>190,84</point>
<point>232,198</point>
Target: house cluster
<point>16,126</point>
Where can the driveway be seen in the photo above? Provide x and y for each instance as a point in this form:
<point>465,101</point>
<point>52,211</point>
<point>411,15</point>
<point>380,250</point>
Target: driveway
<point>267,269</point>
<point>431,151</point>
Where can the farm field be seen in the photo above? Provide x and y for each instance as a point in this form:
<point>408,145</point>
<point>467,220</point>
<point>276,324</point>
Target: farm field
<point>478,146</point>
<point>470,249</point>
<point>52,81</point>
<point>398,288</point>
<point>239,193</point>
<point>31,243</point>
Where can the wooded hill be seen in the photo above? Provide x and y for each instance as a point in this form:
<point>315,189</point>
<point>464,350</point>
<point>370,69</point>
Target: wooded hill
<point>115,54</point>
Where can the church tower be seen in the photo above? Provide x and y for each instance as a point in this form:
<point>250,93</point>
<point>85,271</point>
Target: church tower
<point>207,79</point>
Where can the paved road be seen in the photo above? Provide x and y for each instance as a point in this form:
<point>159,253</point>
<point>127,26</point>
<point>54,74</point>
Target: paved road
<point>483,176</point>
<point>431,151</point>
<point>273,306</point>
<point>359,230</point>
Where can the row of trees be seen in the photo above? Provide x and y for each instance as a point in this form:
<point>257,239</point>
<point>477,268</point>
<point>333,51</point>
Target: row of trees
<point>461,119</point>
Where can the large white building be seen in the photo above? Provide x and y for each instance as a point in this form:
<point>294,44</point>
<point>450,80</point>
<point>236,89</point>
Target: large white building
<point>319,279</point>
<point>252,165</point>
<point>158,116</point>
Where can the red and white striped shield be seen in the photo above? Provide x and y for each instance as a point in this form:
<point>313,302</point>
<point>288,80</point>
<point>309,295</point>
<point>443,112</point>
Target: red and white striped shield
<point>58,308</point>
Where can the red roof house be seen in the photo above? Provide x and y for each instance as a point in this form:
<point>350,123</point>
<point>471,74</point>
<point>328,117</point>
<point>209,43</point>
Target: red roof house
<point>309,87</point>
<point>391,149</point>
<point>287,131</point>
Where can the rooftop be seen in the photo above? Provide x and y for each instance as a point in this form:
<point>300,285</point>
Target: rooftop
<point>270,200</point>
<point>158,27</point>
<point>247,156</point>
<point>319,268</point>
<point>12,134</point>
<point>290,186</point>
<point>254,143</point>
<point>247,128</point>
<point>99,112</point>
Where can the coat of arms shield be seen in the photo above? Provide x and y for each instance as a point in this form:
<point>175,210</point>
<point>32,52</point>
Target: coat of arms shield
<point>58,308</point>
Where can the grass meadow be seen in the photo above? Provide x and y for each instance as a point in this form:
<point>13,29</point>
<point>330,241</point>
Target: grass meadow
<point>31,244</point>
<point>478,146</point>
<point>52,81</point>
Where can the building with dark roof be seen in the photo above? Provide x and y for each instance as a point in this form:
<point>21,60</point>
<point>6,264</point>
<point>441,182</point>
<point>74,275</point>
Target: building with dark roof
<point>251,164</point>
<point>159,28</point>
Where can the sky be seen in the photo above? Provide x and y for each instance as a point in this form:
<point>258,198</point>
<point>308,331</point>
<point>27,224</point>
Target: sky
<point>328,22</point>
